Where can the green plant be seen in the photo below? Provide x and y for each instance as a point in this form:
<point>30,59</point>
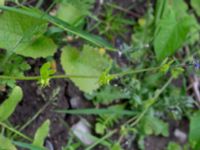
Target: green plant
<point>9,105</point>
<point>74,11</point>
<point>78,63</point>
<point>15,66</point>
<point>45,72</point>
<point>6,110</point>
<point>107,95</point>
<point>106,121</point>
<point>41,134</point>
<point>133,98</point>
<point>173,146</point>
<point>181,23</point>
<point>39,139</point>
<point>194,126</point>
<point>196,5</point>
<point>71,145</point>
<point>112,23</point>
<point>151,125</point>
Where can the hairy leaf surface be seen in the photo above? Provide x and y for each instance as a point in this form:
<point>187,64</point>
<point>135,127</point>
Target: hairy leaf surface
<point>88,62</point>
<point>172,29</point>
<point>24,35</point>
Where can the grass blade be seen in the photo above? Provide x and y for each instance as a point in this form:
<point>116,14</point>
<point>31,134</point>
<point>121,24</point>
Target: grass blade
<point>94,111</point>
<point>15,131</point>
<point>28,146</point>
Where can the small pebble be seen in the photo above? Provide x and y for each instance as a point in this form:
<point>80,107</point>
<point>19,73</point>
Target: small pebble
<point>180,135</point>
<point>82,130</point>
<point>49,145</point>
<point>76,102</point>
<point>101,2</point>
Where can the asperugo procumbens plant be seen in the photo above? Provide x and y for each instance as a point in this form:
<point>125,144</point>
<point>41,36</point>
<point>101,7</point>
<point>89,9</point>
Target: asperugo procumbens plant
<point>23,33</point>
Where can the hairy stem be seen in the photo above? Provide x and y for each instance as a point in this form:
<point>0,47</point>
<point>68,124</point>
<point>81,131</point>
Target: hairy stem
<point>3,77</point>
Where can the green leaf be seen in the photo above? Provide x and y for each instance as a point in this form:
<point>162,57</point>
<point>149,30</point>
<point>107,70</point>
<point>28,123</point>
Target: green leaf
<point>88,62</point>
<point>172,29</point>
<point>160,9</point>
<point>68,13</point>
<point>108,120</point>
<point>196,5</point>
<point>2,2</point>
<point>28,146</point>
<point>180,7</point>
<point>116,146</point>
<point>40,47</point>
<point>173,146</point>
<point>151,125</point>
<point>194,136</point>
<point>107,94</point>
<point>176,72</point>
<point>16,27</point>
<point>100,128</point>
<point>6,144</point>
<point>15,66</point>
<point>170,35</point>
<point>41,134</point>
<point>105,78</point>
<point>23,35</point>
<point>73,11</point>
<point>45,72</point>
<point>9,105</point>
<point>165,66</point>
<point>61,24</point>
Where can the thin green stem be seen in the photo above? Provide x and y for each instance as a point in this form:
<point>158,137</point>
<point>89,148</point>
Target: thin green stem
<point>29,78</point>
<point>109,134</point>
<point>123,9</point>
<point>34,117</point>
<point>40,110</point>
<point>136,71</point>
<point>3,77</point>
<point>39,3</point>
<point>157,94</point>
<point>139,117</point>
<point>15,131</point>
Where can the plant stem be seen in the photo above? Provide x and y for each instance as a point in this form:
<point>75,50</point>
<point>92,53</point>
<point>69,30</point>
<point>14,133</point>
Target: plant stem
<point>109,134</point>
<point>29,78</point>
<point>136,71</point>
<point>15,131</point>
<point>54,98</point>
<point>34,117</point>
<point>137,119</point>
<point>123,9</point>
<point>39,3</point>
<point>157,94</point>
<point>2,77</point>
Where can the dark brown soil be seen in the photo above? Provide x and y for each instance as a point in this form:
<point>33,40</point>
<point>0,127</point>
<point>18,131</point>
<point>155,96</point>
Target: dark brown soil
<point>34,99</point>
